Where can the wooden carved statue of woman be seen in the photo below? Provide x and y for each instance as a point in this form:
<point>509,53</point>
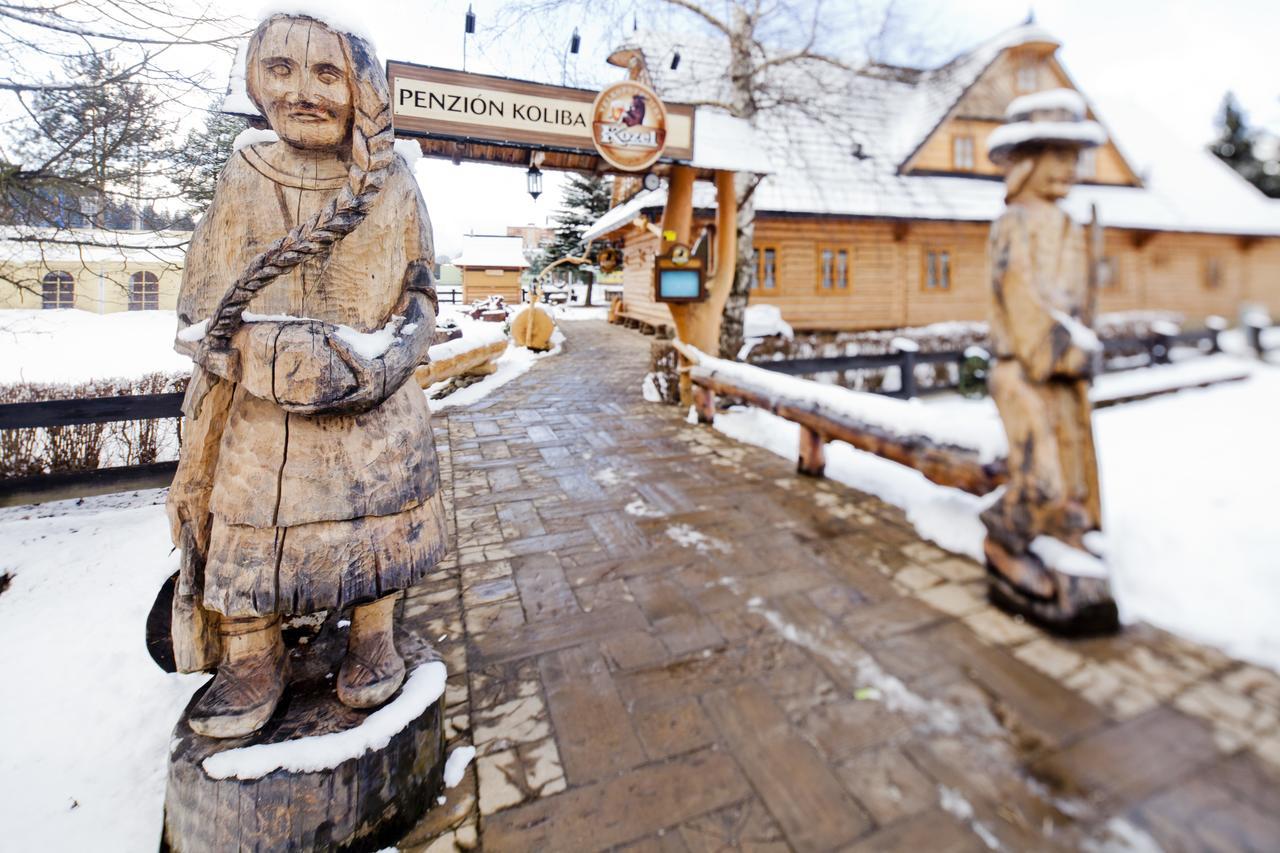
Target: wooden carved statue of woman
<point>1042,533</point>
<point>308,479</point>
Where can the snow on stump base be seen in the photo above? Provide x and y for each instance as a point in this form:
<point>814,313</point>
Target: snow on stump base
<point>319,775</point>
<point>1070,605</point>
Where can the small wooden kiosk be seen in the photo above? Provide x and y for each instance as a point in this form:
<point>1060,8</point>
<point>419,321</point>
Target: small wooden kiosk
<point>492,265</point>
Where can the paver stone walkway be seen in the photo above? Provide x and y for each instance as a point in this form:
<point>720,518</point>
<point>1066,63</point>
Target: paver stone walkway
<point>660,639</point>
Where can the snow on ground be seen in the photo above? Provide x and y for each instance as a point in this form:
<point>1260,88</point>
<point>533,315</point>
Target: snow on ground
<point>580,312</point>
<point>85,714</point>
<point>516,361</point>
<point>79,346</point>
<point>1189,485</point>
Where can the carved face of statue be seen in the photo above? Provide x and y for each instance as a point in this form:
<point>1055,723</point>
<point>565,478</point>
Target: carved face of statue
<point>1054,173</point>
<point>300,78</point>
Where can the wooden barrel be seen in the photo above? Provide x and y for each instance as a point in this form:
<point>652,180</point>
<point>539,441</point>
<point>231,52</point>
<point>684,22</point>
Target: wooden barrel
<point>354,780</point>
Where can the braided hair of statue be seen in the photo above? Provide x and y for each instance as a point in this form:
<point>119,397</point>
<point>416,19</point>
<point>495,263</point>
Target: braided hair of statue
<point>372,153</point>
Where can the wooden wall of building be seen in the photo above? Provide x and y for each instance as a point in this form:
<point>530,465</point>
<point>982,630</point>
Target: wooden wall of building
<point>481,283</point>
<point>887,284</point>
<point>981,110</point>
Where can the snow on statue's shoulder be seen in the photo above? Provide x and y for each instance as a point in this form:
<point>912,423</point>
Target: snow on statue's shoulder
<point>252,136</point>
<point>323,752</point>
<point>1082,337</point>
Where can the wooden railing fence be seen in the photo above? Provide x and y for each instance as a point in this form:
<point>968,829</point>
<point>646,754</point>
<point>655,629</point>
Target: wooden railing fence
<point>97,481</point>
<point>1156,346</point>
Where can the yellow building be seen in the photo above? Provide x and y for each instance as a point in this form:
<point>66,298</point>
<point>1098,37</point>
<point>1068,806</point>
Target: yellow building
<point>877,215</point>
<point>492,265</point>
<point>92,270</point>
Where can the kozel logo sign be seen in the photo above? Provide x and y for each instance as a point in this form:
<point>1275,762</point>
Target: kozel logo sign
<point>629,125</point>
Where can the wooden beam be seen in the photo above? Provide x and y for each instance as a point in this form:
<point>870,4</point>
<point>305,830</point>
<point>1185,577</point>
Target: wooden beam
<point>704,402</point>
<point>813,452</point>
<point>948,466</point>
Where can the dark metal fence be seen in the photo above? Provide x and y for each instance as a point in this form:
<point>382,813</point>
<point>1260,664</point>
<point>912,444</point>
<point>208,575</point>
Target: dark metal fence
<point>1156,347</point>
<point>93,410</point>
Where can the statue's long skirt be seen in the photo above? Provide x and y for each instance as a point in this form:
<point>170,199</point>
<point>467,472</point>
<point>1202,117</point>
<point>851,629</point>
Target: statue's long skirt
<point>324,565</point>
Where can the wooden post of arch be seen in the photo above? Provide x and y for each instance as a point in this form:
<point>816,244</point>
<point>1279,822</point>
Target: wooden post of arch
<point>698,323</point>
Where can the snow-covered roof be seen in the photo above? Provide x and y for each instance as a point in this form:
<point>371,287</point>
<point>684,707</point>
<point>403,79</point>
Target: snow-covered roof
<point>47,246</point>
<point>486,250</point>
<point>840,152</point>
<point>721,141</point>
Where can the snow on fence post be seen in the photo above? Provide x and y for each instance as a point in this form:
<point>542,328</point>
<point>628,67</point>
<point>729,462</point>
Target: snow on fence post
<point>1215,326</point>
<point>1162,337</point>
<point>906,350</point>
<point>1253,333</point>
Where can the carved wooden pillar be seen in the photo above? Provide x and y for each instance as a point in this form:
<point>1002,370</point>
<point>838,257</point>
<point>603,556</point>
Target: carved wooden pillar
<point>698,323</point>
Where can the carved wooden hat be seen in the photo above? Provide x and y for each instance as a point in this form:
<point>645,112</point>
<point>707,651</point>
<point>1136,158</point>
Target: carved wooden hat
<point>1053,117</point>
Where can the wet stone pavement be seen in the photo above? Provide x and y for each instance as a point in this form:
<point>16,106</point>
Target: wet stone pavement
<point>660,639</point>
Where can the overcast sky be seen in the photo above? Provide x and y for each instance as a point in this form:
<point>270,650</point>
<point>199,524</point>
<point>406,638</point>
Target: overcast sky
<point>1174,58</point>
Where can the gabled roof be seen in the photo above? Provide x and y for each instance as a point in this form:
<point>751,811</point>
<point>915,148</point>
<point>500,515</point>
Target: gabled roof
<point>493,251</point>
<point>840,152</point>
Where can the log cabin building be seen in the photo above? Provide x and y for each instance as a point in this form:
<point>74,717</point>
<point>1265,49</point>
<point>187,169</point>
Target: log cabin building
<point>492,265</point>
<point>877,211</point>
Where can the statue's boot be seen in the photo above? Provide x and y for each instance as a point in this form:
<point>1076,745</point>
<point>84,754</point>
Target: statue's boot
<point>372,669</point>
<point>249,683</point>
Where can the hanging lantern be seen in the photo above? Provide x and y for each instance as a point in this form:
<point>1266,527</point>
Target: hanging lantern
<point>534,178</point>
<point>575,41</point>
<point>675,60</point>
<point>470,27</point>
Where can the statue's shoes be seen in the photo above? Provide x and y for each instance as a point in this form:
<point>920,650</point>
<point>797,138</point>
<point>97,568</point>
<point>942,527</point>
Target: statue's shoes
<point>370,674</point>
<point>243,695</point>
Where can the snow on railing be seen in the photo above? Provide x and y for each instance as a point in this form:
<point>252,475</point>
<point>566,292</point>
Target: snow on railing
<point>966,456</point>
<point>480,345</point>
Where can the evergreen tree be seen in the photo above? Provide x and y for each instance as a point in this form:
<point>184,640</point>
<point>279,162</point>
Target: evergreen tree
<point>100,142</point>
<point>586,199</point>
<point>203,155</point>
<point>1234,145</point>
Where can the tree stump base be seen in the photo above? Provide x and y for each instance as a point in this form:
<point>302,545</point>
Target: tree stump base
<point>350,780</point>
<point>1066,605</point>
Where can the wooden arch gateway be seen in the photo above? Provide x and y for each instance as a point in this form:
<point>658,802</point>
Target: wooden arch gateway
<point>479,118</point>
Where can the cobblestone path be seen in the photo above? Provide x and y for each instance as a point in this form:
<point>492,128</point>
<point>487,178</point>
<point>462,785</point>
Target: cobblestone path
<point>660,639</point>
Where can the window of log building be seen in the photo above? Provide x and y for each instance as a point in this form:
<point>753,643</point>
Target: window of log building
<point>1109,273</point>
<point>937,270</point>
<point>1087,168</point>
<point>57,290</point>
<point>144,292</point>
<point>766,268</point>
<point>1212,273</point>
<point>833,269</point>
<point>962,153</point>
<point>1028,75</point>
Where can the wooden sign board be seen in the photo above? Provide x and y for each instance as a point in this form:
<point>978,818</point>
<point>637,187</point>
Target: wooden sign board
<point>678,277</point>
<point>442,102</point>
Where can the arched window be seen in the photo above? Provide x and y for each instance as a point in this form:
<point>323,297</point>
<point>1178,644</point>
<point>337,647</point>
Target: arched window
<point>144,291</point>
<point>57,290</point>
